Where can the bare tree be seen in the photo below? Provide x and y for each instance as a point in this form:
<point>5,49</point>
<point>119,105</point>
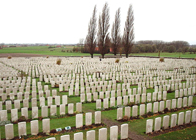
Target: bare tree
<point>181,46</point>
<point>90,41</point>
<point>115,33</point>
<point>103,35</point>
<point>81,42</point>
<point>159,45</point>
<point>128,36</point>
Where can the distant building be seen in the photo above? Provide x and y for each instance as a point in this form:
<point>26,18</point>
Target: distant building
<point>58,46</point>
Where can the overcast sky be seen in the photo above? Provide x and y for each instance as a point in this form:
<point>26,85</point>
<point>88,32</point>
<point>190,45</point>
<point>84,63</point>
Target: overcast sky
<point>66,21</point>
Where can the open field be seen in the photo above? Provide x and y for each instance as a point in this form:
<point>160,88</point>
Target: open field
<point>81,71</point>
<point>44,50</point>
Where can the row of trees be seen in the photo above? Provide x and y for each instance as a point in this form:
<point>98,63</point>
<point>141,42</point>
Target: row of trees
<point>161,46</point>
<point>102,38</point>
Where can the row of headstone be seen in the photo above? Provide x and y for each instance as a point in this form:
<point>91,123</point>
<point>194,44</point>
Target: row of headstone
<point>88,119</point>
<point>140,67</point>
<point>155,107</point>
<point>138,98</point>
<point>102,134</point>
<point>22,87</point>
<point>44,112</point>
<point>125,100</point>
<point>170,122</point>
<point>22,129</point>
<point>26,95</point>
<point>185,92</point>
<point>34,102</point>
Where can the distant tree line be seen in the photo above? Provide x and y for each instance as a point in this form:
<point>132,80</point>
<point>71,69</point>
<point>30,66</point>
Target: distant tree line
<point>150,46</point>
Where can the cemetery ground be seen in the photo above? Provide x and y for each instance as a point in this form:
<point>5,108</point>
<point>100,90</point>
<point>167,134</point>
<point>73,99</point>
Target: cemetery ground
<point>36,51</point>
<point>136,125</point>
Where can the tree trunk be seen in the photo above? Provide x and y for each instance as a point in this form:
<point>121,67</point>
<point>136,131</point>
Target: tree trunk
<point>91,55</point>
<point>127,55</point>
<point>102,55</point>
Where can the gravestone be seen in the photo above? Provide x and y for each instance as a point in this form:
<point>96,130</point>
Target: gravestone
<point>166,122</point>
<point>149,107</point>
<point>142,109</point>
<point>79,107</point>
<point>49,100</point>
<point>42,101</point>
<point>188,117</point>
<point>44,111</point>
<point>190,100</point>
<point>185,102</point>
<point>127,111</point>
<point>82,97</point>
<point>64,99</point>
<point>173,120</point>
<point>79,120</point>
<point>46,125</point>
<point>65,137</point>
<point>105,103</point>
<point>98,104</point>
<point>9,131</point>
<point>57,100</point>
<point>112,101</point>
<point>24,112</point>
<point>119,100</point>
<point>125,100</point>
<point>90,135</point>
<point>97,117</point>
<point>103,134</point>
<point>22,129</point>
<point>149,126</point>
<point>124,131</point>
<point>53,110</point>
<point>114,132</point>
<point>173,103</point>
<point>34,127</point>
<point>88,118</point>
<point>134,111</point>
<point>181,118</point>
<point>26,103</point>
<point>14,115</point>
<point>8,105</point>
<point>70,108</point>
<point>168,104</point>
<point>161,106</point>
<point>157,125</point>
<point>193,119</point>
<point>78,136</point>
<point>89,98</point>
<point>155,107</point>
<point>119,113</point>
<point>62,109</point>
<point>179,103</point>
<point>3,115</point>
<point>34,102</point>
<point>34,112</point>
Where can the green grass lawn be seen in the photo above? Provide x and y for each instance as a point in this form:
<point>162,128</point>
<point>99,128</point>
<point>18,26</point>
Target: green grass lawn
<point>45,50</point>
